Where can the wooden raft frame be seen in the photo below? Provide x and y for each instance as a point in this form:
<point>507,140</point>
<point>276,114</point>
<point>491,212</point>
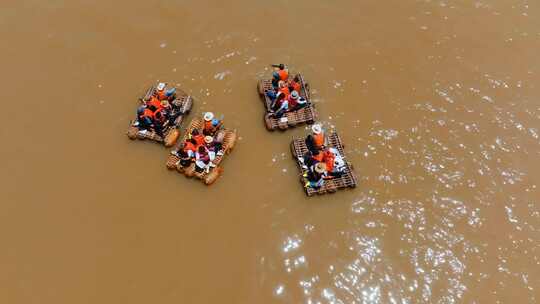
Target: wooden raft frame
<point>181,105</point>
<point>229,140</point>
<point>347,180</point>
<point>290,119</point>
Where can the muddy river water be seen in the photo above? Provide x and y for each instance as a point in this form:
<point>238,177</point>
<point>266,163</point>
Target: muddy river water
<point>436,101</point>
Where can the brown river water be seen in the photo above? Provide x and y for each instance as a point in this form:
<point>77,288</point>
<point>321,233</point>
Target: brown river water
<point>436,101</point>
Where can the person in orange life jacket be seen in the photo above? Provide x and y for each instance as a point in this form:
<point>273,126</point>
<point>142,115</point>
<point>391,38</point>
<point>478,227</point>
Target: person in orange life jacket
<point>211,125</point>
<point>315,141</point>
<point>282,88</point>
<point>329,158</point>
<point>283,72</point>
<point>152,103</point>
<point>202,159</point>
<point>145,118</point>
<point>197,137</point>
<point>163,94</point>
<point>294,85</point>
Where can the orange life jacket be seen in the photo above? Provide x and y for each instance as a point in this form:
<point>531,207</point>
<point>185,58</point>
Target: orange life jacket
<point>318,157</point>
<point>148,113</point>
<point>208,126</point>
<point>154,102</point>
<point>283,74</point>
<point>329,158</point>
<point>199,139</point>
<point>318,139</point>
<point>285,90</point>
<point>297,86</point>
<point>189,146</point>
<point>161,95</point>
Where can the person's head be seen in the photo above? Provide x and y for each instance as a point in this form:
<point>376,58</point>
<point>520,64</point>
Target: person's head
<point>195,132</point>
<point>281,84</point>
<point>158,114</point>
<point>208,116</point>
<point>193,141</point>
<point>140,110</point>
<point>201,149</point>
<point>316,129</point>
<point>320,168</point>
<point>275,75</point>
<point>215,122</point>
<point>183,154</point>
<point>296,78</point>
<point>294,95</point>
<point>281,66</point>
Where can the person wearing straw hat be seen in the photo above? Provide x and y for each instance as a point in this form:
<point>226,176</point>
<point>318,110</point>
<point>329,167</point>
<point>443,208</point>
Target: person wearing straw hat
<point>316,140</point>
<point>210,147</point>
<point>164,94</point>
<point>315,177</point>
<point>211,124</point>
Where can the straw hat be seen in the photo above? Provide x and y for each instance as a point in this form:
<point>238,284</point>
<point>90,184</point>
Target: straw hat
<point>320,168</point>
<point>208,116</point>
<point>317,129</point>
<point>161,86</point>
<point>208,139</point>
<point>294,95</point>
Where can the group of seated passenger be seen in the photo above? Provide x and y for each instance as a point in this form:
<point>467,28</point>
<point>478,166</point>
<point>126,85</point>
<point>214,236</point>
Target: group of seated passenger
<point>320,161</point>
<point>156,111</point>
<point>202,148</point>
<point>285,93</point>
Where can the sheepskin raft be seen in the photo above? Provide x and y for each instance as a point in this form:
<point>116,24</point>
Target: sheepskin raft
<point>290,119</point>
<point>347,180</point>
<point>181,105</point>
<point>229,140</point>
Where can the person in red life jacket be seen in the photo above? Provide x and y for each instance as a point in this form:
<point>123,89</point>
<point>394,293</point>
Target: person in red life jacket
<point>211,124</point>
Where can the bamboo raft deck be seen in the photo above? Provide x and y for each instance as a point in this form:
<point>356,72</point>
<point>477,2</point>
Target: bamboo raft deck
<point>181,106</point>
<point>292,118</point>
<point>229,140</point>
<point>347,180</point>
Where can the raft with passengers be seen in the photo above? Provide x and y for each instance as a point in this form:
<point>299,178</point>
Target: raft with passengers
<point>203,148</point>
<point>286,100</point>
<point>322,162</point>
<point>160,114</point>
